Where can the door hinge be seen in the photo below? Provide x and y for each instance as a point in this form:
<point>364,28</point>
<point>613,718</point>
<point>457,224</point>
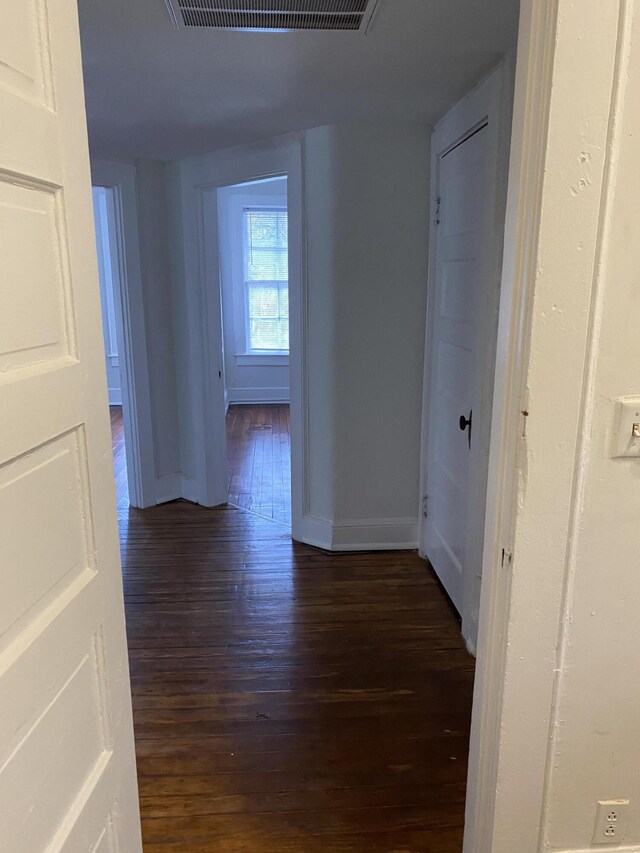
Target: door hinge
<point>437,216</point>
<point>507,556</point>
<point>425,506</point>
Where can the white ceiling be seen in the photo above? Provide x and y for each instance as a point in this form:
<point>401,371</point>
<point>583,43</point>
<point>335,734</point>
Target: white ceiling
<point>153,91</point>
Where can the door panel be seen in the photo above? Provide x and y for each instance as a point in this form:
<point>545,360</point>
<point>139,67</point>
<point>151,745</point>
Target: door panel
<point>67,768</point>
<point>457,323</point>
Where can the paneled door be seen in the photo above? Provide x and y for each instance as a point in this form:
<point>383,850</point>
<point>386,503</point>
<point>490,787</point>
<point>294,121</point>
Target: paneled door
<point>67,767</point>
<point>458,295</point>
<point>461,337</point>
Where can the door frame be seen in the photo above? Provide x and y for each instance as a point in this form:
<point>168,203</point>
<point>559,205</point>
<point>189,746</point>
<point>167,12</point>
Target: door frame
<point>569,68</point>
<point>489,102</point>
<point>120,178</point>
<point>201,179</point>
<point>527,153</point>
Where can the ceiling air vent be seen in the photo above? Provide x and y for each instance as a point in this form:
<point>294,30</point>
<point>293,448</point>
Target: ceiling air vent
<point>273,15</point>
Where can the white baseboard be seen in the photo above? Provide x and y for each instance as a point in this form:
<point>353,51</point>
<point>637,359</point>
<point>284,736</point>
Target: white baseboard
<point>189,489</point>
<point>312,530</point>
<point>633,848</point>
<point>168,488</point>
<point>378,534</point>
<point>375,534</point>
<point>239,396</point>
<point>174,486</point>
<point>115,396</point>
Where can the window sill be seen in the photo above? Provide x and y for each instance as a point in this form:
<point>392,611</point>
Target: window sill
<point>260,360</point>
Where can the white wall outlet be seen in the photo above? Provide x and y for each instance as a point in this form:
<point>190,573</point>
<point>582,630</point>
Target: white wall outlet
<point>611,821</point>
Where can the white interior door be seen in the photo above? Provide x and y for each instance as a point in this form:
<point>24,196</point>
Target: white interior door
<point>469,167</point>
<point>455,334</point>
<point>67,768</point>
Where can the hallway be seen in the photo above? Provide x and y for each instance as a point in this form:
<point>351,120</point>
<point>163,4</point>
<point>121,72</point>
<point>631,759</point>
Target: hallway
<point>288,700</point>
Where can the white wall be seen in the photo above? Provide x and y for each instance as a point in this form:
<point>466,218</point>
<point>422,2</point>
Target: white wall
<point>107,268</point>
<point>254,379</point>
<point>148,224</point>
<point>155,259</point>
<point>366,204</point>
<point>366,196</point>
<point>321,335</point>
<point>596,751</point>
<point>192,185</point>
<point>568,695</point>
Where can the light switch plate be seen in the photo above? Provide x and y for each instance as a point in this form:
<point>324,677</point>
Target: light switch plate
<point>625,443</point>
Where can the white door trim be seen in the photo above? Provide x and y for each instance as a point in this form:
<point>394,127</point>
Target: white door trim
<point>132,344</point>
<point>200,179</point>
<point>524,609</point>
<point>488,103</point>
<point>534,69</point>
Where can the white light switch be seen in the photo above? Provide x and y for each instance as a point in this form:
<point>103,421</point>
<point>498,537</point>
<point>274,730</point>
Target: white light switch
<point>627,434</point>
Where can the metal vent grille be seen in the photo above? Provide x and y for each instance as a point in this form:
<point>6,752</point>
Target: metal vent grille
<point>274,15</point>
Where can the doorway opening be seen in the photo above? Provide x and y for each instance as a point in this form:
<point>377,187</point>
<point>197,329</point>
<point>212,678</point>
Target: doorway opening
<point>109,264</point>
<point>254,287</point>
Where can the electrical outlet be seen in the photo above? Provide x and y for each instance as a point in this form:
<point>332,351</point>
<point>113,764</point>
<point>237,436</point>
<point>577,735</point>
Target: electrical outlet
<point>611,821</point>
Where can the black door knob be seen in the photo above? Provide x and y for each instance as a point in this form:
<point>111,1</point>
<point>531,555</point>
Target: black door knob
<point>465,423</point>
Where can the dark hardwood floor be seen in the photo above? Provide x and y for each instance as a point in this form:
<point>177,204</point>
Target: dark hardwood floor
<point>119,457</point>
<point>288,700</point>
<point>259,451</point>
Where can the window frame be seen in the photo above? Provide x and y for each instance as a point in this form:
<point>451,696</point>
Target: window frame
<point>251,351</point>
<point>244,356</point>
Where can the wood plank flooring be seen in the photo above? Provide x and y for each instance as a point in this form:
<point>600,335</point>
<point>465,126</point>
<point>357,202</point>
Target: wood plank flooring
<point>288,700</point>
<point>259,451</point>
<point>119,457</point>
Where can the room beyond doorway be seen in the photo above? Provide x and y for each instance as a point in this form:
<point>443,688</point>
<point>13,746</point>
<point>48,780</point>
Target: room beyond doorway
<point>259,449</point>
<point>119,457</point>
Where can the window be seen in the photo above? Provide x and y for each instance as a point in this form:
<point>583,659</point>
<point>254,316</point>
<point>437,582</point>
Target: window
<point>253,255</point>
<point>266,285</point>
